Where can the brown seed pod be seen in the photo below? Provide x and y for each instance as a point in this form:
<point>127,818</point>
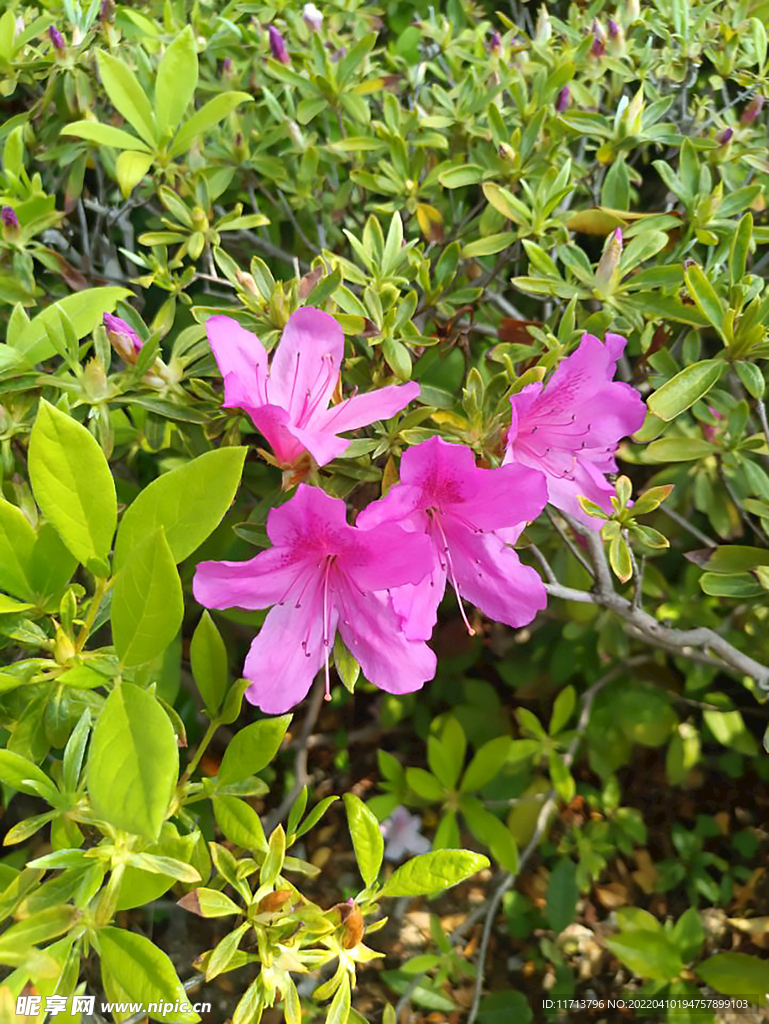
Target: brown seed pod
<point>352,919</point>
<point>274,901</point>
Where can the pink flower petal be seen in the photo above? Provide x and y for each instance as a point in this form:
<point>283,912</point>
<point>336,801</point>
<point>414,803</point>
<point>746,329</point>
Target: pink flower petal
<point>305,366</point>
<point>491,576</point>
<point>286,654</point>
<point>242,362</point>
<point>253,584</point>
<point>360,410</point>
<point>369,628</point>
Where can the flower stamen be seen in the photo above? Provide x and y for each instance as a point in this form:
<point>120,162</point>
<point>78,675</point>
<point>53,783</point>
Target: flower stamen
<point>450,571</point>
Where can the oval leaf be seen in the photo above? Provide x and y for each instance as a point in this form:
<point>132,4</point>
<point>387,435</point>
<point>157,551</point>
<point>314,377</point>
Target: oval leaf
<point>366,838</point>
<point>72,483</point>
<point>147,603</point>
<point>133,762</point>
<point>682,391</point>
<point>189,503</point>
<point>432,872</point>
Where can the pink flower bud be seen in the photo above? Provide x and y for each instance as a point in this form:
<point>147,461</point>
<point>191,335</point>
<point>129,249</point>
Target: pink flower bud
<point>9,218</point>
<point>57,39</point>
<point>495,42</point>
<point>725,136</point>
<point>278,46</point>
<point>598,49</point>
<point>563,101</point>
<point>123,338</point>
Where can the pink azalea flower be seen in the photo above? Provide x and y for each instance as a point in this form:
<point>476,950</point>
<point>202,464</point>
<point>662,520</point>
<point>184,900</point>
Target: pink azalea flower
<point>322,575</point>
<point>570,427</point>
<point>402,835</point>
<point>471,516</point>
<point>288,400</point>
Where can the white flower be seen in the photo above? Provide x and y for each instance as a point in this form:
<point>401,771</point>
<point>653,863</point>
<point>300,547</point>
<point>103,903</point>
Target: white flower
<point>401,830</point>
<point>313,18</point>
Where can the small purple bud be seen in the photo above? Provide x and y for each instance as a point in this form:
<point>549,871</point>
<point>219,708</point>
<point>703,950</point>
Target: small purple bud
<point>336,55</point>
<point>123,338</point>
<point>278,46</point>
<point>495,42</point>
<point>563,101</point>
<point>107,10</point>
<point>313,18</point>
<point>614,29</point>
<point>598,49</point>
<point>725,136</point>
<point>227,65</point>
<point>753,109</point>
<point>57,38</point>
<point>10,220</point>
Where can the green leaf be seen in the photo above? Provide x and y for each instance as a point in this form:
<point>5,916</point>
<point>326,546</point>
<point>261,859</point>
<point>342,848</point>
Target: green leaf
<point>729,729</point>
<point>734,585</point>
<point>130,168</point>
<point>72,483</point>
<point>126,95</point>
<point>433,872</point>
<point>189,503</point>
<point>24,775</point>
<point>207,117</point>
<point>239,822</point>
<point>683,753</point>
<point>367,839</point>
<point>208,658</point>
<point>736,974</point>
<point>17,542</point>
<point>339,1010</point>
<point>505,1007</point>
<point>446,752</point>
<point>486,763</point>
<point>563,709</point>
<point>83,310</point>
<point>424,784</point>
<point>752,378</point>
<point>143,973</point>
<point>562,894</point>
<point>458,177</point>
<point>210,903</point>
<point>705,298</point>
<point>176,80</point>
<point>489,245</point>
<point>133,762</point>
<point>679,449</point>
<point>147,602</point>
<point>346,665</point>
<point>647,954</point>
<point>493,833</point>
<point>252,749</point>
<point>688,935</point>
<point>682,391</point>
<point>104,135</point>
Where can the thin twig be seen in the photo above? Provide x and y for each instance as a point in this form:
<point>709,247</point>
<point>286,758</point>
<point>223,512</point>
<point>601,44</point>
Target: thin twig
<point>569,542</point>
<point>300,759</point>
<point>686,525</point>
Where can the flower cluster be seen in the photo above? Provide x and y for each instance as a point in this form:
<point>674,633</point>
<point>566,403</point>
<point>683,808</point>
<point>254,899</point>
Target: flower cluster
<point>447,522</point>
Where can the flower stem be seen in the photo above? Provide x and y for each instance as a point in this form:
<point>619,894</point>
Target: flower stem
<point>202,747</point>
<point>102,585</point>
